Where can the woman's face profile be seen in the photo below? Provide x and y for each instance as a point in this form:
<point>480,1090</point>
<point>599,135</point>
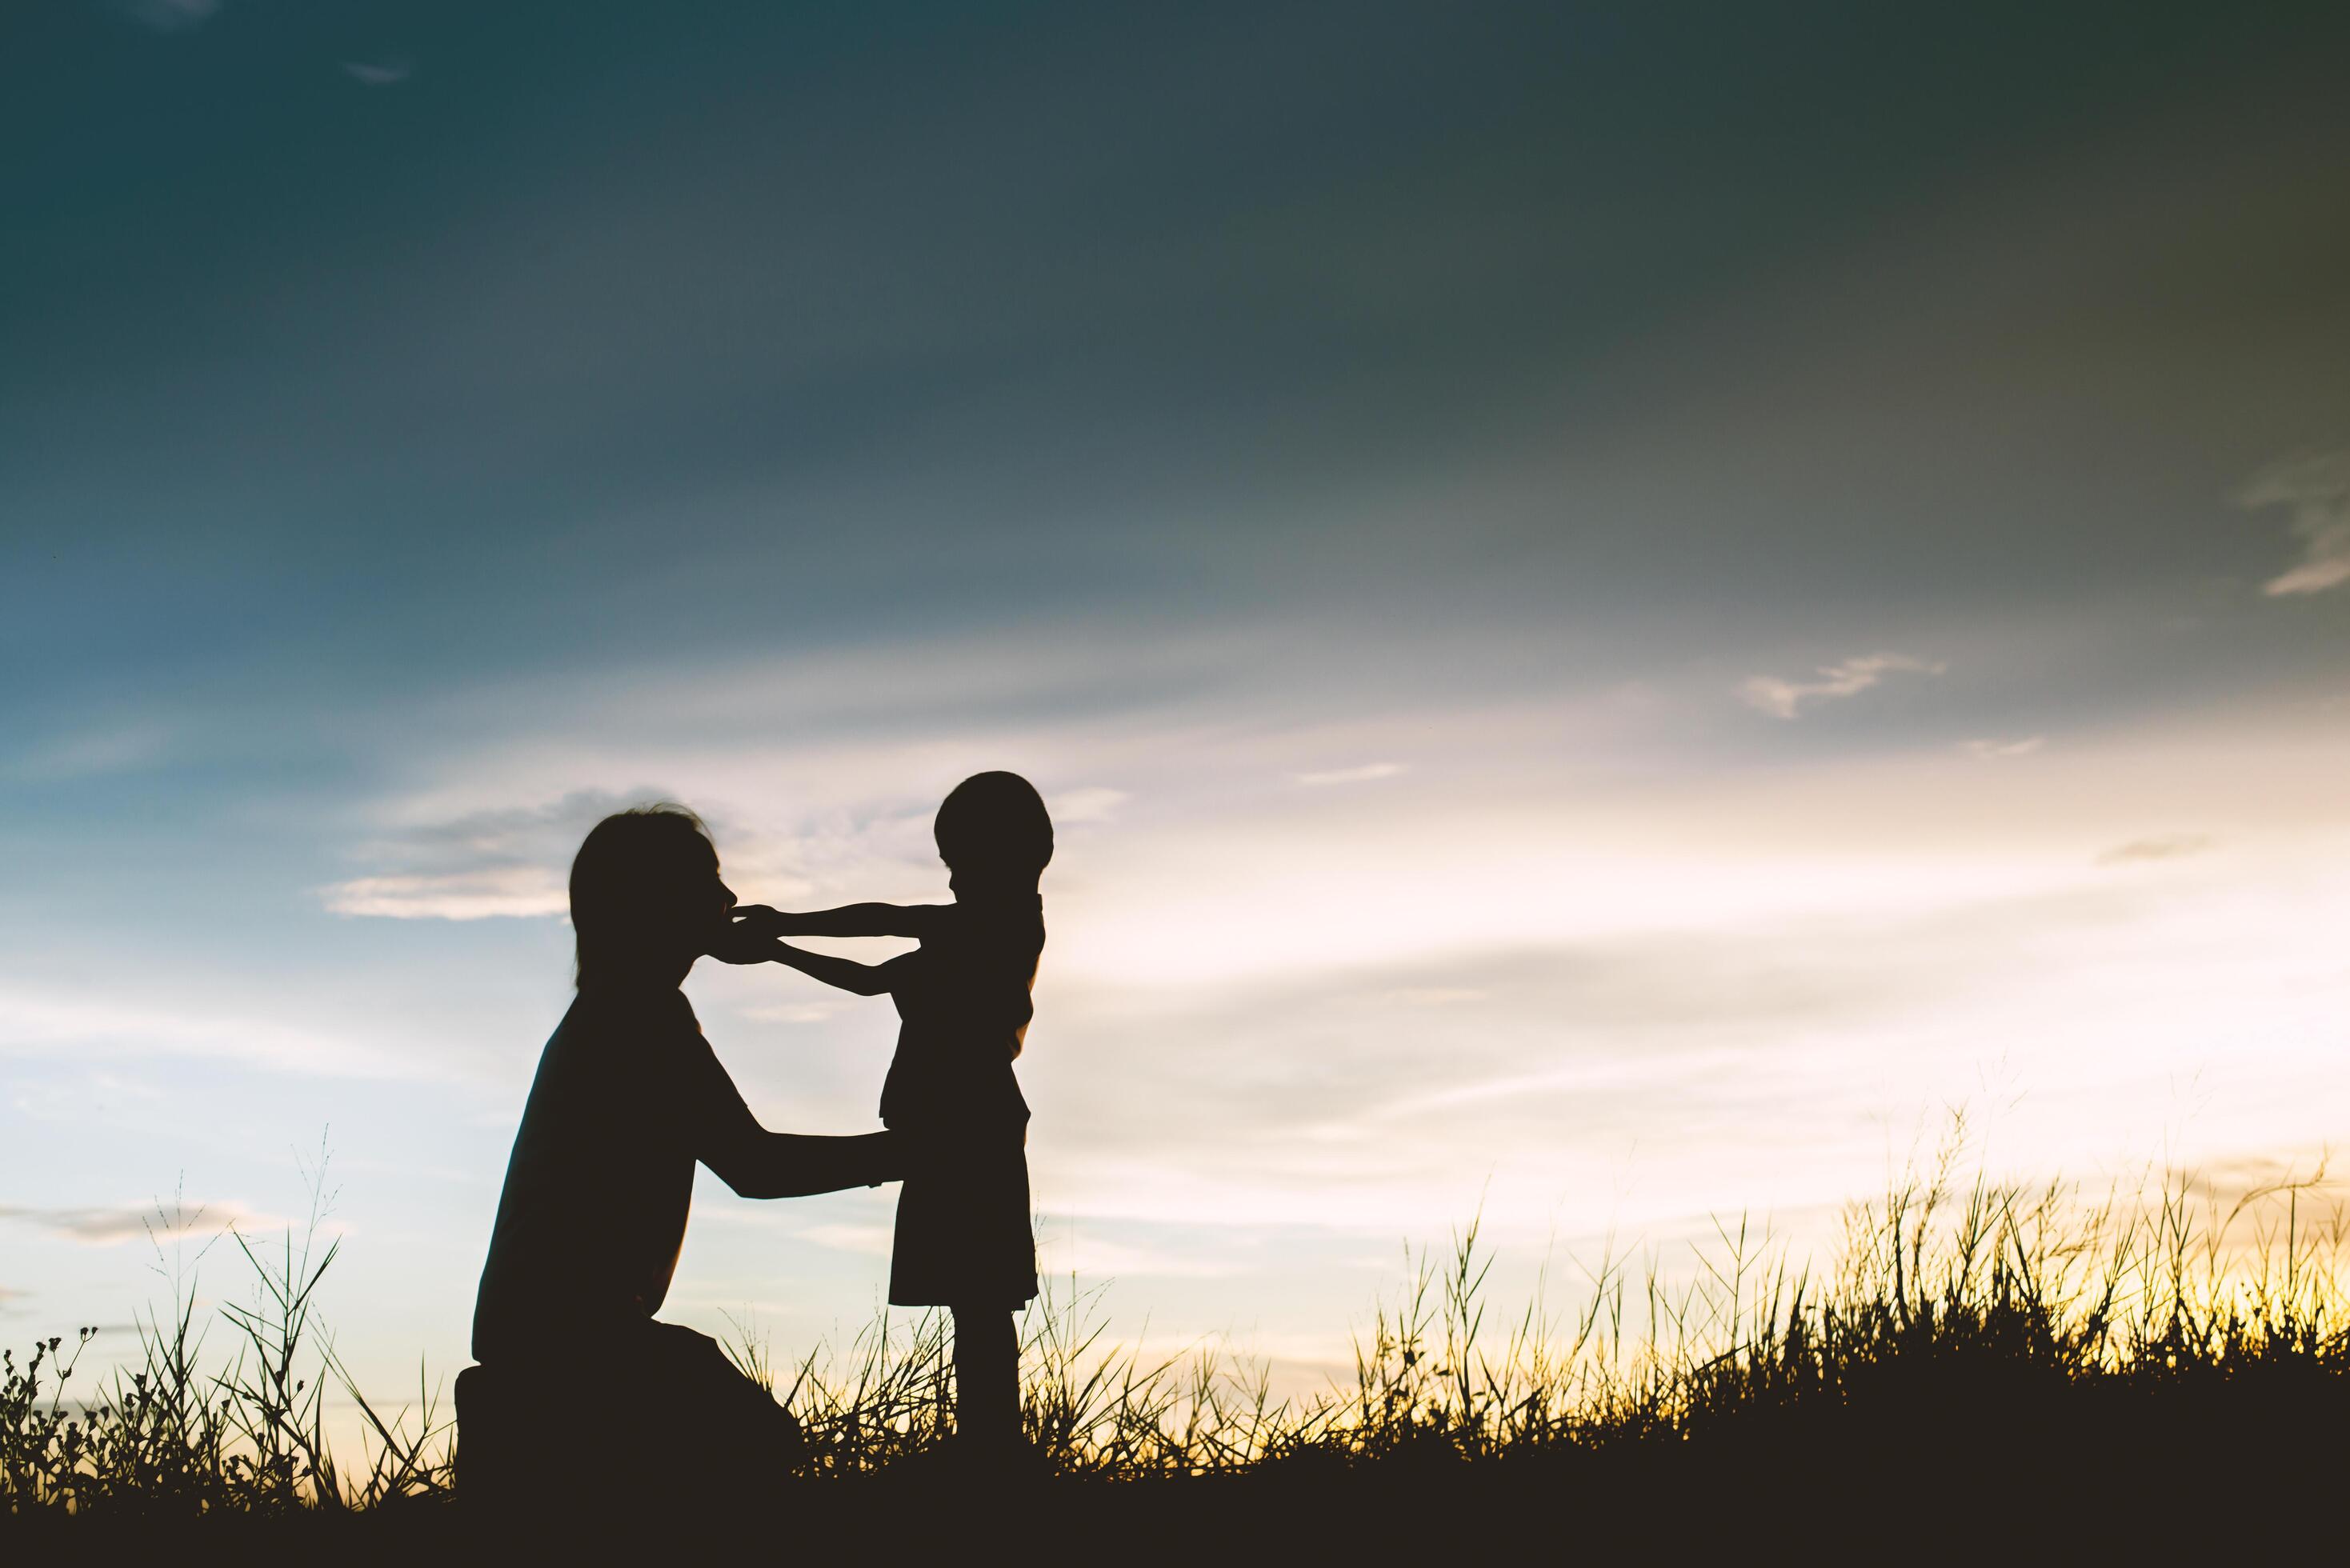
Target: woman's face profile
<point>704,905</point>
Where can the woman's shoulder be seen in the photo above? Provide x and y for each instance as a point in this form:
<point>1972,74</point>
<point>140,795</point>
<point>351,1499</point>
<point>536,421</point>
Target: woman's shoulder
<point>603,1020</point>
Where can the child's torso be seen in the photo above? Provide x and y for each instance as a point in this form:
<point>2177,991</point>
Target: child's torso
<point>964,1003</point>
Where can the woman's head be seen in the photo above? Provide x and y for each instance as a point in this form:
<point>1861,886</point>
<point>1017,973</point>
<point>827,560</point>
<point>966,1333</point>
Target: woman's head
<point>646,898</point>
<point>993,830</point>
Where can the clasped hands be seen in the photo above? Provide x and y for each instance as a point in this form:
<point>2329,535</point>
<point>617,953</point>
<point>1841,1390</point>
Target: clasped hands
<point>750,934</point>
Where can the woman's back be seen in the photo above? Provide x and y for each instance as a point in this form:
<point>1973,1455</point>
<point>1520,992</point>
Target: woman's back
<point>594,1207</point>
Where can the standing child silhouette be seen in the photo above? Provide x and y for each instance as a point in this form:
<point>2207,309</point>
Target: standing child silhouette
<point>963,1238</point>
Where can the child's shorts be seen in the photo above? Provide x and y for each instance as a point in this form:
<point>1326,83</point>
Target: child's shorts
<point>964,1237</point>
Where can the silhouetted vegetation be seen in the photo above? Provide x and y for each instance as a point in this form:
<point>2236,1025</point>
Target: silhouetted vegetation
<point>1974,1347</point>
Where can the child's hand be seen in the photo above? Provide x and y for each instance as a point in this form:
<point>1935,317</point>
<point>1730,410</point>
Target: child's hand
<point>760,922</point>
<point>748,937</point>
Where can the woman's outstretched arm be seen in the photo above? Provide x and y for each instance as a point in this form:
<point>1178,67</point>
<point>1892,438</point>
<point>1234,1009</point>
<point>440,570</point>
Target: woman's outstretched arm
<point>756,1163</point>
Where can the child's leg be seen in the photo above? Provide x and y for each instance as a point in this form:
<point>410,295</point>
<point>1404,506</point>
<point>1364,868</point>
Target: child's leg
<point>987,1376</point>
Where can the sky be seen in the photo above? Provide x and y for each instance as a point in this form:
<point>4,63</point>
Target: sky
<point>1620,606</point>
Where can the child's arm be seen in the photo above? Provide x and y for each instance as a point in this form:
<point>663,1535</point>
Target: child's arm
<point>864,979</point>
<point>849,920</point>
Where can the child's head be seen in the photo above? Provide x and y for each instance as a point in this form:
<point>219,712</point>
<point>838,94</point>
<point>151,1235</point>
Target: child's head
<point>992,831</point>
<point>646,898</point>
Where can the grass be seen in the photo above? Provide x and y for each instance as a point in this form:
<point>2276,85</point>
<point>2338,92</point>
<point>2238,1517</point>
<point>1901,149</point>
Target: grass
<point>1972,1351</point>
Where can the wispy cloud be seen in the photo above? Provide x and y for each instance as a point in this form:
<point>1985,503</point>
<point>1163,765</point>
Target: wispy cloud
<point>174,15</point>
<point>508,862</point>
<point>380,73</point>
<point>2316,491</point>
<point>1421,996</point>
<point>1363,774</point>
<point>1090,1256</point>
<point>2164,847</point>
<point>1785,699</point>
<point>87,754</point>
<point>873,1240</point>
<point>40,1023</point>
<point>1092,803</point>
<point>1991,749</point>
<point>111,1225</point>
<point>509,891</point>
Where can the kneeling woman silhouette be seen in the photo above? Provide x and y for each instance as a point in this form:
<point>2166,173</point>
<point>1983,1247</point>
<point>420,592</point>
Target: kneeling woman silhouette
<point>628,1096</point>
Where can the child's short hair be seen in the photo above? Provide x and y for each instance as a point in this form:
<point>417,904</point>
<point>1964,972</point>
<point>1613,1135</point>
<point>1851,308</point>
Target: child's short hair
<point>626,880</point>
<point>994,822</point>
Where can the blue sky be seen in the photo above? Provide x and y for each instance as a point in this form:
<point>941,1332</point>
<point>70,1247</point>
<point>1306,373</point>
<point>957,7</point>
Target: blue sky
<point>1618,605</point>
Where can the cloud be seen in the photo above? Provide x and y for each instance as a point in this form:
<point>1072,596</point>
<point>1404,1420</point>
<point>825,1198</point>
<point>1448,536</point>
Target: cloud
<point>1089,1256</point>
<point>2316,490</point>
<point>1363,774</point>
<point>1421,996</point>
<point>84,1099</point>
<point>2165,846</point>
<point>1785,699</point>
<point>380,73</point>
<point>36,1022</point>
<point>92,753</point>
<point>174,15</point>
<point>113,1225</point>
<point>506,862</point>
<point>1092,803</point>
<point>1990,749</point>
<point>509,890</point>
<point>873,1240</point>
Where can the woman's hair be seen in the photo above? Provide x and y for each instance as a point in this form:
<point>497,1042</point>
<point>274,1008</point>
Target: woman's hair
<point>994,822</point>
<point>628,882</point>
